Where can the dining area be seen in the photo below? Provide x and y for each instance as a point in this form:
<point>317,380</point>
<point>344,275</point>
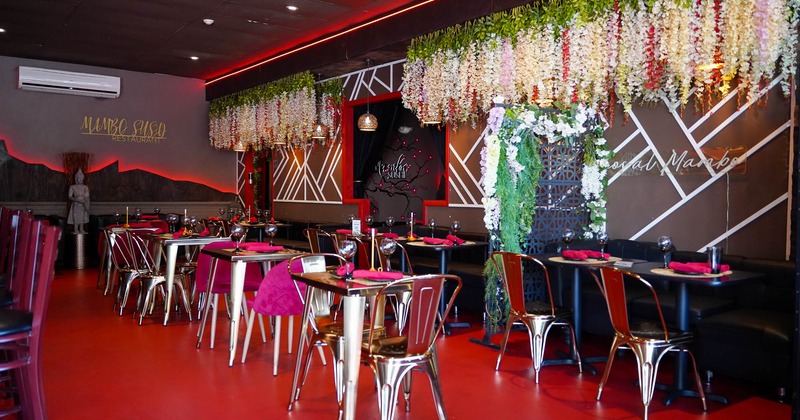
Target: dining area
<point>202,383</point>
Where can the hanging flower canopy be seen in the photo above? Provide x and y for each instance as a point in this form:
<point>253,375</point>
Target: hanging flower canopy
<point>280,112</point>
<point>600,51</point>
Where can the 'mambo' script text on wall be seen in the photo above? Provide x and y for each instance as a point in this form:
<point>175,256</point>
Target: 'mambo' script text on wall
<point>125,131</point>
<point>714,160</point>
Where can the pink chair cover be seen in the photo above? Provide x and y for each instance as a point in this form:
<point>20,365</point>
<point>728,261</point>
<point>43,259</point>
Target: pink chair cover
<point>277,295</point>
<point>222,280</point>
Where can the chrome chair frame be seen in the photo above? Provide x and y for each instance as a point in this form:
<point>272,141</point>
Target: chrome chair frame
<point>392,358</point>
<point>648,342</point>
<point>545,315</point>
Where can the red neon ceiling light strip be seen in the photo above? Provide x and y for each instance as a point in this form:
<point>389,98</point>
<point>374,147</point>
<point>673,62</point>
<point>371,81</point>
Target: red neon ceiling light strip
<point>317,42</point>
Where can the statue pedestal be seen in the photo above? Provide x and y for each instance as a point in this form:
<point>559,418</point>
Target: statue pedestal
<point>79,245</point>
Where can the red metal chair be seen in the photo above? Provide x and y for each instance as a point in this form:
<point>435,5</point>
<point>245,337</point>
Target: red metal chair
<point>537,316</point>
<point>649,341</point>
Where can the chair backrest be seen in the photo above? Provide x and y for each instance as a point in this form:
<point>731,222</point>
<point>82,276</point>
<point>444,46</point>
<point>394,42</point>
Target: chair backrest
<point>9,227</point>
<point>320,300</point>
<point>222,274</point>
<point>25,265</point>
<point>510,267</point>
<point>614,288</point>
<point>404,255</point>
<point>426,291</point>
<point>314,236</point>
<point>123,254</point>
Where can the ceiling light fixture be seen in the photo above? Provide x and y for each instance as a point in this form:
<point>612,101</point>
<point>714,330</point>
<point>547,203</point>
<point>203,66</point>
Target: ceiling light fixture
<point>194,58</point>
<point>317,42</point>
<point>320,131</point>
<point>292,7</point>
<point>367,121</point>
<point>239,146</point>
<point>208,22</point>
<point>2,30</point>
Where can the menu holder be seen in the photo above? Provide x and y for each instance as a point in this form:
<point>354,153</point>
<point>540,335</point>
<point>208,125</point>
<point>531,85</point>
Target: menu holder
<point>623,264</point>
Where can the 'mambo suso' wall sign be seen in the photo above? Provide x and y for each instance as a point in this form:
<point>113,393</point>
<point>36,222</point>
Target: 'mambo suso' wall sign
<point>125,131</point>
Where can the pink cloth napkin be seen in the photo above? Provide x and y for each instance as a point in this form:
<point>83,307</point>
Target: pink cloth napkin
<point>410,236</point>
<point>205,232</point>
<point>261,247</point>
<point>437,241</point>
<point>572,254</point>
<point>342,270</point>
<point>344,231</point>
<point>377,275</point>
<point>455,239</point>
<point>696,267</point>
<point>149,217</point>
<point>390,235</point>
<point>594,254</point>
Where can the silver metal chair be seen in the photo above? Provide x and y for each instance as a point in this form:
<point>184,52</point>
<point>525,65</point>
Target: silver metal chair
<point>392,358</point>
<point>649,341</point>
<point>537,316</point>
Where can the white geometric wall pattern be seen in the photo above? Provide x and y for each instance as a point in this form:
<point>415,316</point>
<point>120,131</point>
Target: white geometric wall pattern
<point>465,176</point>
<point>702,197</point>
<point>307,174</point>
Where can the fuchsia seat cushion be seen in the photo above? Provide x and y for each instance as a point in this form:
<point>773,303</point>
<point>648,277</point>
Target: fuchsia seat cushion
<point>277,295</point>
<point>222,279</point>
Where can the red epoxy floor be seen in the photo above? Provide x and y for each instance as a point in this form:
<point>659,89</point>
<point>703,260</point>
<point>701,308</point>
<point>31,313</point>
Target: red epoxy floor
<point>98,365</point>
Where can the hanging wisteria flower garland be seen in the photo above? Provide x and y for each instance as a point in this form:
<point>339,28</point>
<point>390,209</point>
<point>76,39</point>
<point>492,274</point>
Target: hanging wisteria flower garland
<point>601,51</point>
<point>511,166</point>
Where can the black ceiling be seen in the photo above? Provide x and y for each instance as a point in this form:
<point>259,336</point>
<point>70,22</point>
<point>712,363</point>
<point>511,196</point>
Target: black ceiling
<point>159,36</point>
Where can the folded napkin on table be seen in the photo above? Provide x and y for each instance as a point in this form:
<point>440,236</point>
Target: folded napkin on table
<point>696,267</point>
<point>149,217</point>
<point>343,269</point>
<point>594,254</point>
<point>252,220</point>
<point>161,230</point>
<point>377,275</point>
<point>437,241</point>
<point>390,235</point>
<point>455,239</point>
<point>213,218</point>
<point>261,247</point>
<point>179,233</point>
<point>344,231</point>
<point>205,232</point>
<point>572,254</point>
<point>410,235</point>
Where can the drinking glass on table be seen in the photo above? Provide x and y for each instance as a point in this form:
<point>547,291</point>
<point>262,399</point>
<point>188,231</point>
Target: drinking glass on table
<point>117,216</point>
<point>432,225</point>
<point>221,211</point>
<point>138,214</point>
<point>258,214</point>
<point>387,248</point>
<point>172,221</point>
<point>347,249</point>
<point>455,227</point>
<point>271,229</point>
<point>157,211</point>
<point>369,220</point>
<point>664,244</point>
<point>238,233</point>
<point>602,239</point>
<point>390,222</point>
<point>567,236</point>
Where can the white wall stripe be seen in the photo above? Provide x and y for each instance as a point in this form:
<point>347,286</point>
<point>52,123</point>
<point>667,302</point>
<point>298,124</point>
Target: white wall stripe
<point>747,221</point>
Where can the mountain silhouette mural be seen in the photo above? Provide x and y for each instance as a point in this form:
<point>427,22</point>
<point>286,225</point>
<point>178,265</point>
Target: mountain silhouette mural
<point>22,181</point>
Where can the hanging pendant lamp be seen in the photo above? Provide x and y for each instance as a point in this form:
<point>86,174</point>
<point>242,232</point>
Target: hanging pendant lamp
<point>367,121</point>
<point>320,131</point>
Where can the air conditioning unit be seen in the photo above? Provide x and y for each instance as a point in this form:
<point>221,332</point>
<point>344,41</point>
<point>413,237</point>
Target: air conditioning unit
<point>67,82</point>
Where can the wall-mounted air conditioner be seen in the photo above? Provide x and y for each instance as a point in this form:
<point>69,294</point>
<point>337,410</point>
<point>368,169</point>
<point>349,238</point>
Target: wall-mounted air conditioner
<point>67,82</point>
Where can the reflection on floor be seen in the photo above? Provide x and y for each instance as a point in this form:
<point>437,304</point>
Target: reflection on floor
<point>99,365</point>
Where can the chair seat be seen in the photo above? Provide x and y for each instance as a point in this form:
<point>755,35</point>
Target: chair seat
<point>544,308</point>
<point>389,346</point>
<point>654,331</point>
<point>14,322</point>
<point>700,307</point>
<point>751,325</point>
<point>6,298</point>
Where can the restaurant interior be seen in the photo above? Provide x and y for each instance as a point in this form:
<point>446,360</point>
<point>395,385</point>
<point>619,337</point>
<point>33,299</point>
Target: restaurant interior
<point>404,185</point>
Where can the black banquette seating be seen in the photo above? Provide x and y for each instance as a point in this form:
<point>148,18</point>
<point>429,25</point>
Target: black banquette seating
<point>743,331</point>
